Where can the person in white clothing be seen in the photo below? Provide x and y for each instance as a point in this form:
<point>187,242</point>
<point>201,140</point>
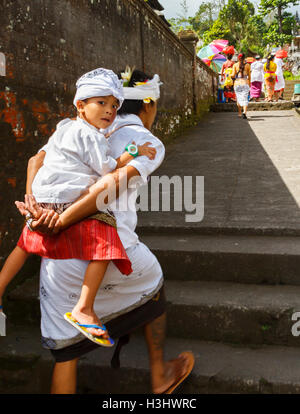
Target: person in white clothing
<point>77,156</point>
<point>122,302</point>
<point>280,82</point>
<point>257,78</point>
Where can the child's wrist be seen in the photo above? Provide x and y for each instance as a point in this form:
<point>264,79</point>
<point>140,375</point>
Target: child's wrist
<point>58,226</point>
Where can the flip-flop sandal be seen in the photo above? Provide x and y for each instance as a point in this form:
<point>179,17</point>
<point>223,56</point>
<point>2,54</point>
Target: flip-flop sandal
<point>83,329</point>
<point>191,362</point>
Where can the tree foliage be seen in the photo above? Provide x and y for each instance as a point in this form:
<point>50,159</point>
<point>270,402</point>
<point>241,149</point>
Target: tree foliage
<point>182,21</point>
<point>219,30</point>
<point>279,35</point>
<point>238,22</point>
<point>281,28</point>
<point>205,17</point>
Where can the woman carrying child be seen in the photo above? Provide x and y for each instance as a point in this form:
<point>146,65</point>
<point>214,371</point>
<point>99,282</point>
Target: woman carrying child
<point>77,156</point>
<point>124,303</point>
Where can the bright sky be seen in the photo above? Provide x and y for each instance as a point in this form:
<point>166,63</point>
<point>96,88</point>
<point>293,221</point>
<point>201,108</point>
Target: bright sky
<point>173,7</point>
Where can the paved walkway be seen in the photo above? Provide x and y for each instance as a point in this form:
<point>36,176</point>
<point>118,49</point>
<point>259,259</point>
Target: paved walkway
<point>251,172</point>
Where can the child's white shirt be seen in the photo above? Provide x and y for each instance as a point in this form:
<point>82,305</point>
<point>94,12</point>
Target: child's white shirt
<point>77,156</point>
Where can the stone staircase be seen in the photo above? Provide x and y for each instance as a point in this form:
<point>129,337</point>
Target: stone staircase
<point>230,300</point>
<point>232,286</point>
<point>254,106</point>
<point>289,89</point>
<point>284,104</point>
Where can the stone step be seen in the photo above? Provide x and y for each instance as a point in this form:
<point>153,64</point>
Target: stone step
<point>288,95</point>
<point>288,90</point>
<point>216,311</point>
<point>26,368</point>
<point>233,312</point>
<point>234,258</point>
<point>151,226</point>
<point>254,106</point>
<point>290,86</point>
<point>291,83</point>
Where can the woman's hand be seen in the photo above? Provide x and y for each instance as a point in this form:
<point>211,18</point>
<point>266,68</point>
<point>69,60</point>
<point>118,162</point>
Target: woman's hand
<point>48,223</point>
<point>44,220</point>
<point>149,152</point>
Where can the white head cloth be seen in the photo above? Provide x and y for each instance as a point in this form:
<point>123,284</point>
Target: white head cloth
<point>148,90</point>
<point>99,82</point>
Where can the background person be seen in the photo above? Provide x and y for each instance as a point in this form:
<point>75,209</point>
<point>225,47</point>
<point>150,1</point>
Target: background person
<point>228,85</point>
<point>263,61</point>
<point>257,78</point>
<point>270,77</point>
<point>242,78</point>
<point>280,82</point>
<point>228,64</point>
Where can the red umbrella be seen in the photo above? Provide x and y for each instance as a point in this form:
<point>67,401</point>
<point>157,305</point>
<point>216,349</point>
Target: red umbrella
<point>281,54</point>
<point>229,50</point>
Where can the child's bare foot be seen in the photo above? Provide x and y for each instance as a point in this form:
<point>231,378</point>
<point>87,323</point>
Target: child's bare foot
<point>88,317</point>
<point>175,370</point>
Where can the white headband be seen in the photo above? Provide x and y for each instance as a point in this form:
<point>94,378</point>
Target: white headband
<point>99,82</point>
<point>144,90</point>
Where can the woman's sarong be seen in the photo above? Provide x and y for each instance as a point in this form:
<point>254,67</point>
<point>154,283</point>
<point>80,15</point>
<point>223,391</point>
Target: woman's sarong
<point>270,86</point>
<point>242,93</point>
<point>119,328</point>
<point>255,89</point>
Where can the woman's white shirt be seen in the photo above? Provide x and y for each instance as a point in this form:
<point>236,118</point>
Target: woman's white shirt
<point>279,64</point>
<point>280,82</point>
<point>125,207</point>
<point>257,72</point>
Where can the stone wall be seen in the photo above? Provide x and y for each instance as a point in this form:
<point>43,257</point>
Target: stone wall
<point>48,44</point>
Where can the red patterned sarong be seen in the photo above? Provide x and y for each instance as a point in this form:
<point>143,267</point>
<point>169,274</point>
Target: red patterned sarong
<point>89,239</point>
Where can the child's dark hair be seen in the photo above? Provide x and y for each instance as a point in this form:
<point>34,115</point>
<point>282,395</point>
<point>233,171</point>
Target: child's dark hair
<point>132,106</point>
<point>229,57</point>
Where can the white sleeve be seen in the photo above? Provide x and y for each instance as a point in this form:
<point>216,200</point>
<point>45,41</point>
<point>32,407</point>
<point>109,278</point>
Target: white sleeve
<point>143,164</point>
<point>61,123</point>
<point>46,146</point>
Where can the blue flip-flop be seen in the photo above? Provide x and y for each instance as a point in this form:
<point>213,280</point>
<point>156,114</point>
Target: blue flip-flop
<point>83,329</point>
